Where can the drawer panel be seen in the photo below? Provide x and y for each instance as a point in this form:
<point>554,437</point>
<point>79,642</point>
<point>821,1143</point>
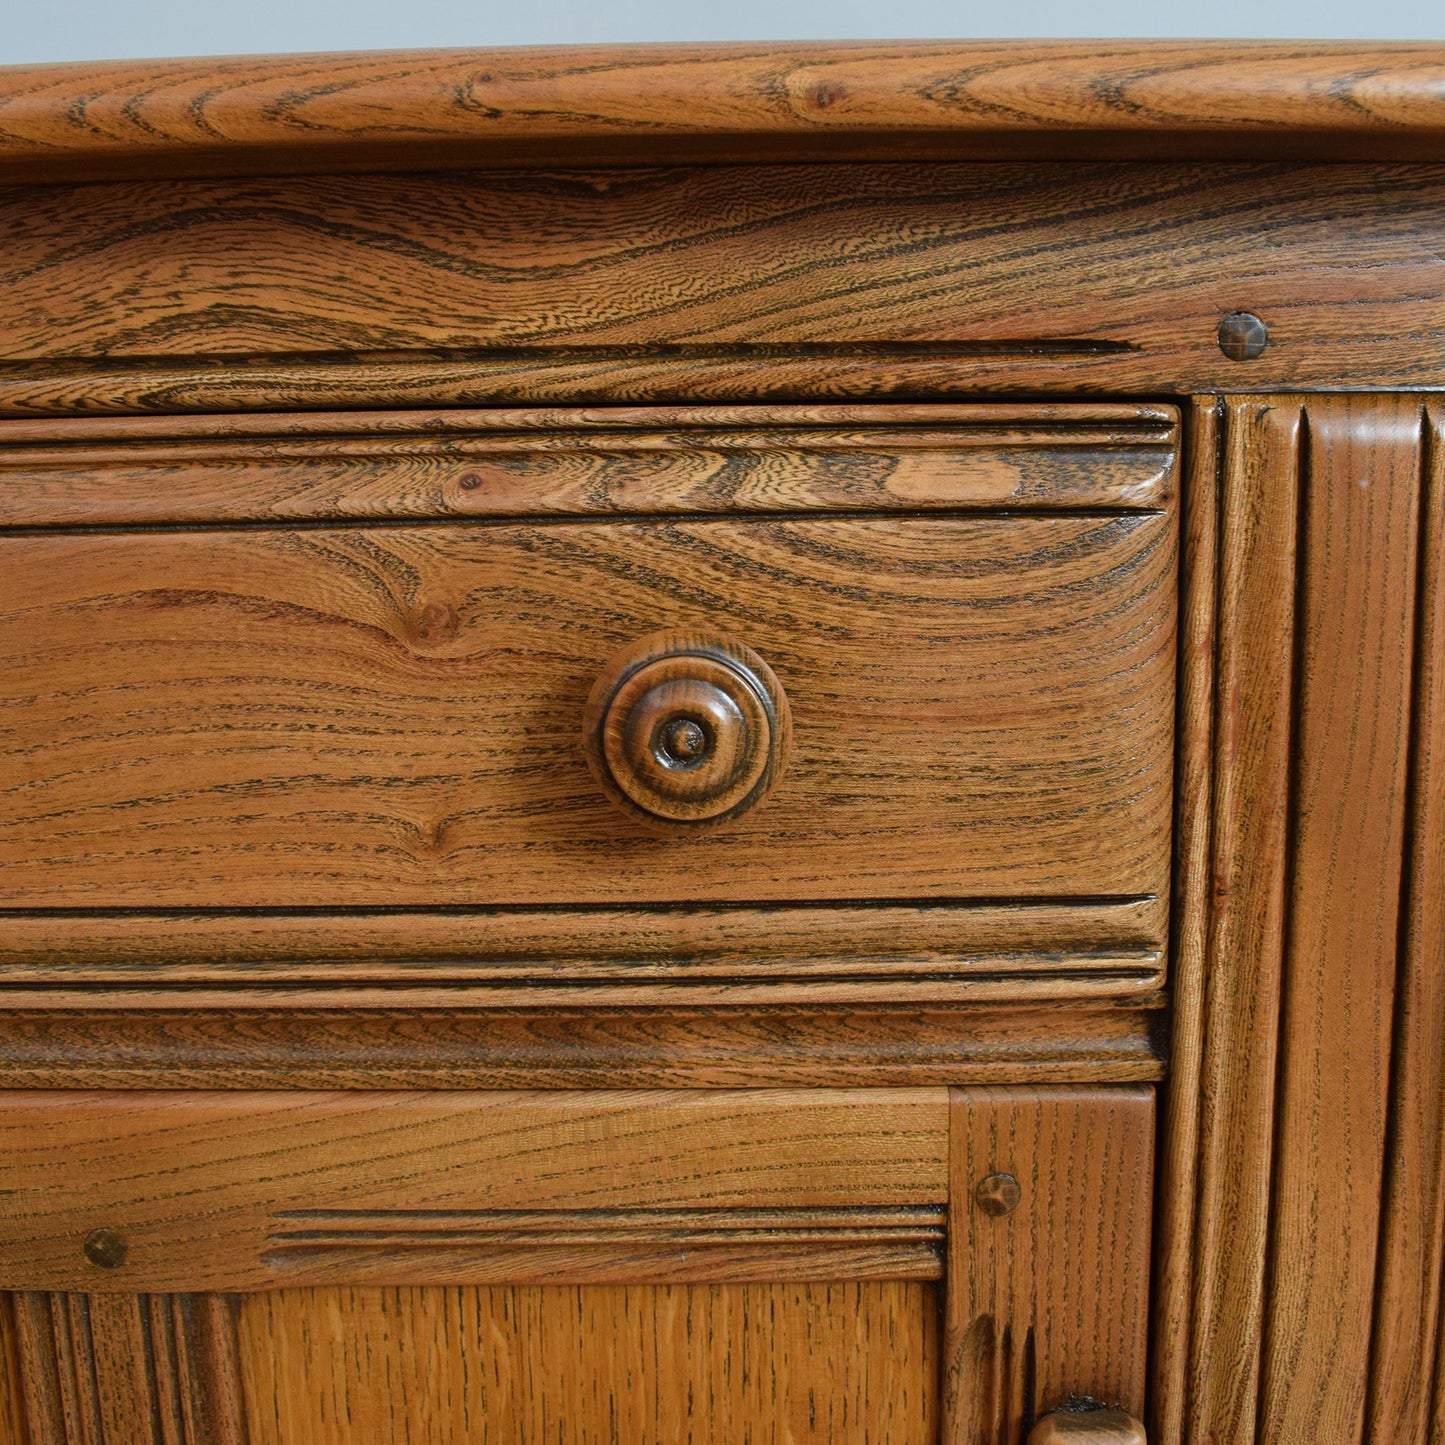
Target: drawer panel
<point>390,715</point>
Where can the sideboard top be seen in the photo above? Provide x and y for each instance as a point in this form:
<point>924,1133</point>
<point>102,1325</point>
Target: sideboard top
<point>630,105</point>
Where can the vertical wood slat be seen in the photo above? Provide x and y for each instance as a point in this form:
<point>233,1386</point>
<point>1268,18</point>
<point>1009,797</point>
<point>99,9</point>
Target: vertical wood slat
<point>118,1369</point>
<point>1256,589</point>
<point>1050,1299</point>
<point>1408,1312</point>
<point>57,1379</point>
<point>13,1430</point>
<point>37,1367</point>
<point>1356,613</point>
<point>1175,1218</point>
<point>1437,1412</point>
<point>131,1357</point>
<point>207,1349</point>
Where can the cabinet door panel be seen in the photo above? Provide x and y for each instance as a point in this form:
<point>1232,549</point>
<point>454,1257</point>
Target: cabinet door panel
<point>592,1365</point>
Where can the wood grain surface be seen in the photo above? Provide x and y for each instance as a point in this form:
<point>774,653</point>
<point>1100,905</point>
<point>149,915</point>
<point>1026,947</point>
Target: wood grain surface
<point>762,282</point>
<point>1408,1320</point>
<point>124,471</point>
<point>1176,1222</point>
<point>1051,1299</point>
<point>1019,947</point>
<point>561,105</point>
<point>13,1429</point>
<point>1437,1416</point>
<point>321,717</point>
<point>139,1369</point>
<point>727,1365</point>
<point>605,1246</point>
<point>1313,1278</point>
<point>1087,1427</point>
<point>293,796</point>
<point>1360,507</point>
<point>1256,629</point>
<point>205,1187</point>
<point>177,1045</point>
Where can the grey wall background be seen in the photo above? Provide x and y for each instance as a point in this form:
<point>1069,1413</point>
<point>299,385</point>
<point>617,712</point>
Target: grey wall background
<point>42,30</point>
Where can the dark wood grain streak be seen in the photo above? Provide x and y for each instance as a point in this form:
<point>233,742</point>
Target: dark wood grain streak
<point>488,282</point>
<point>1176,1220</point>
<point>617,103</point>
<point>207,1359</point>
<point>1251,799</point>
<point>1412,1250</point>
<point>1360,504</point>
<point>1051,1299</point>
<point>784,374</point>
<point>328,717</point>
<point>798,1364</point>
<point>574,462</point>
<point>588,1048</point>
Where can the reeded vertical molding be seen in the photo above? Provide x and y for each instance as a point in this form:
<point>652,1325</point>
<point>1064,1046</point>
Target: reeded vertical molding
<point>1408,1313</point>
<point>125,1369</point>
<point>13,1430</point>
<point>1250,837</point>
<point>1175,1218</point>
<point>1354,670</point>
<point>1308,1312</point>
<point>1050,1194</point>
<point>206,1361</point>
<point>60,1371</point>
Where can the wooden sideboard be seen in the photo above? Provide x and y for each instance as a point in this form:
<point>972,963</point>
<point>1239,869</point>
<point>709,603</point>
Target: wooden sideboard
<point>724,744</point>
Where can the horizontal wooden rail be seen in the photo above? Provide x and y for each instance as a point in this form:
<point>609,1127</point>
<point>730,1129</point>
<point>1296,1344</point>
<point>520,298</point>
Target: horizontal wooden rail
<point>631,104</point>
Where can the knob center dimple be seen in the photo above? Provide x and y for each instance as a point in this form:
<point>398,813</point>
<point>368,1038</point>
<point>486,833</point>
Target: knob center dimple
<point>682,742</point>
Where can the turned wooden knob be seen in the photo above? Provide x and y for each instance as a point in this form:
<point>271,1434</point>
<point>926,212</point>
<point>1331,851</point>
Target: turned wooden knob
<point>1087,1427</point>
<point>687,730</point>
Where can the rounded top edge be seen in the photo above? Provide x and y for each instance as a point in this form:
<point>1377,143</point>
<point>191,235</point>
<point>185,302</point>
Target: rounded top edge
<point>725,102</point>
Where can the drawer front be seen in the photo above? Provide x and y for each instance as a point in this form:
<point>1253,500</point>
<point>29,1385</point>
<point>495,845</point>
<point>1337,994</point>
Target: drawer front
<point>982,706</point>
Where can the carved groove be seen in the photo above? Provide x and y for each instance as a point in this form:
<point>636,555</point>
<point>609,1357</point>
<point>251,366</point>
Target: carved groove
<point>621,1246</point>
